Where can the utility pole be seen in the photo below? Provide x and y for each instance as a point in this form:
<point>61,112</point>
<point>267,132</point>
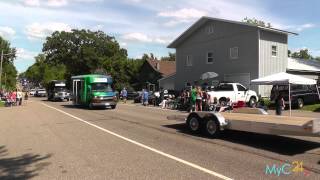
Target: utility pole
<point>1,69</point>
<point>5,80</point>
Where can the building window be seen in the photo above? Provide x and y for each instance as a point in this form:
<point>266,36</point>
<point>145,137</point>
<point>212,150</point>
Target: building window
<point>274,51</point>
<point>189,60</point>
<point>210,29</point>
<point>234,53</point>
<point>209,57</point>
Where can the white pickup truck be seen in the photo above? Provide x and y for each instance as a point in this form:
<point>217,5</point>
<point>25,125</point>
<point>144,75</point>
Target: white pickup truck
<point>235,91</point>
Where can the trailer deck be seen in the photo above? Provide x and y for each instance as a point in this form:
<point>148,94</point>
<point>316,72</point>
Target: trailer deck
<point>258,123</point>
<point>271,124</point>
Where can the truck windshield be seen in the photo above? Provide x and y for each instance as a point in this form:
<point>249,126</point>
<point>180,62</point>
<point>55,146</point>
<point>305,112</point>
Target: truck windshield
<point>59,88</point>
<point>101,87</point>
<point>224,87</point>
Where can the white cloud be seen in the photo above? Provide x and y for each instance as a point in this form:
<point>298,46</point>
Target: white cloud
<point>123,44</point>
<point>57,3</point>
<point>305,26</point>
<point>297,28</point>
<point>23,54</point>
<point>185,13</point>
<point>136,37</point>
<point>31,2</point>
<point>140,37</point>
<point>40,31</point>
<point>162,40</point>
<point>97,27</point>
<point>7,32</point>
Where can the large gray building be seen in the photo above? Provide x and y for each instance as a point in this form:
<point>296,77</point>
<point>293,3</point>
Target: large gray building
<point>236,51</point>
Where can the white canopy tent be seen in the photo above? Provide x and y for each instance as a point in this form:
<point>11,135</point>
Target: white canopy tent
<point>208,75</point>
<point>285,79</point>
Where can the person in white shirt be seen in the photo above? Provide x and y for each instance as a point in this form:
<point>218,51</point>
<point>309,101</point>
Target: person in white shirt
<point>19,97</point>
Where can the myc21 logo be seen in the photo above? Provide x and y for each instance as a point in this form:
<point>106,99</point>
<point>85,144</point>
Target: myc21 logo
<point>286,169</point>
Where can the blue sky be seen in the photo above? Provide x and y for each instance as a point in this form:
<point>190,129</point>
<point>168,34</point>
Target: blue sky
<point>147,26</point>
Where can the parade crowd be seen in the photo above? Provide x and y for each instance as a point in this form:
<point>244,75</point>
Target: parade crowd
<point>12,98</point>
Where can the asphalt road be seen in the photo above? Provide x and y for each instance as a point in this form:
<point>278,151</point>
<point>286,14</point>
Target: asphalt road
<point>54,140</point>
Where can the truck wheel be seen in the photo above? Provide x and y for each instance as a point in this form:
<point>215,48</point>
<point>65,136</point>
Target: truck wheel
<point>300,103</point>
<point>252,101</point>
<point>193,123</point>
<point>212,128</point>
<point>113,107</point>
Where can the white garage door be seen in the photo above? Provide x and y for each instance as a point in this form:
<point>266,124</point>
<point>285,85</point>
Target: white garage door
<point>242,78</point>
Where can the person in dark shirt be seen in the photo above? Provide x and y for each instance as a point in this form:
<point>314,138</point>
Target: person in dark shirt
<point>280,105</point>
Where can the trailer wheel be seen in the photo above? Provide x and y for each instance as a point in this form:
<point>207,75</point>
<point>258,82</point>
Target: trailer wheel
<point>193,123</point>
<point>212,128</point>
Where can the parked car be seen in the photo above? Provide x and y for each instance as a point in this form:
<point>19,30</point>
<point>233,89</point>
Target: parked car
<point>32,92</point>
<point>41,93</point>
<point>300,94</point>
<point>167,93</point>
<point>151,98</point>
<point>132,95</point>
<point>235,91</point>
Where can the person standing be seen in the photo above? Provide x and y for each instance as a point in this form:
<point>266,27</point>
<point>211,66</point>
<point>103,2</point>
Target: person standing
<point>280,105</point>
<point>193,98</point>
<point>124,95</point>
<point>19,97</point>
<point>206,100</point>
<point>13,98</point>
<point>199,99</point>
<point>145,97</point>
<point>161,97</point>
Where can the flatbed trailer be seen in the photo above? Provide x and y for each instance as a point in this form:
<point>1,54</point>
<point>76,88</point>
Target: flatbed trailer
<point>250,120</point>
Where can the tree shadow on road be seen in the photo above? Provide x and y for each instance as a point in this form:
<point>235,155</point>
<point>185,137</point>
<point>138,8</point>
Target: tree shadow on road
<point>25,166</point>
<point>278,144</point>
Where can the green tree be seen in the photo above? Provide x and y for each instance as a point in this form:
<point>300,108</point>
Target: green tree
<point>170,57</point>
<point>82,51</point>
<point>9,72</point>
<point>85,51</point>
<point>256,22</point>
<point>42,73</point>
<point>302,54</point>
<point>289,53</point>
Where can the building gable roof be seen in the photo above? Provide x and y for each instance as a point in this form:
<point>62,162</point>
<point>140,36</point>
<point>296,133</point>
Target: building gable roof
<point>165,68</point>
<point>205,19</point>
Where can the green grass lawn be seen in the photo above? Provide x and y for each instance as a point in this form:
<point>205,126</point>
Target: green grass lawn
<point>1,103</point>
<point>313,107</point>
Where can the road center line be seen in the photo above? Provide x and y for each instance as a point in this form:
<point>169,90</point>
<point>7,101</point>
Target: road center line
<point>144,146</point>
